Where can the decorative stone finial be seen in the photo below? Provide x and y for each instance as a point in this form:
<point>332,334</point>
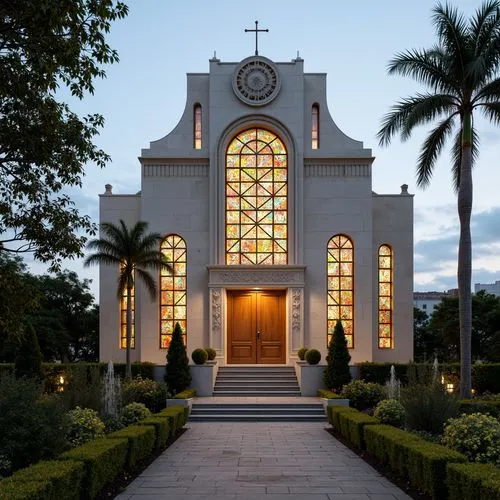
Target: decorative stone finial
<point>298,58</point>
<point>404,189</point>
<point>215,59</point>
<point>109,189</point>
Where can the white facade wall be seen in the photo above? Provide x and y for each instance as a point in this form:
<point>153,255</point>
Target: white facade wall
<point>493,288</point>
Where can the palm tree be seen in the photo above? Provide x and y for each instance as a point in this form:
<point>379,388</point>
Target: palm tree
<point>134,251</point>
<point>461,72</point>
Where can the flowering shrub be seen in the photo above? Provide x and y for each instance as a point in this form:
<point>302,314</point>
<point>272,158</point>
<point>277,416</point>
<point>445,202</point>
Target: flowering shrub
<point>390,412</point>
<point>134,412</point>
<point>84,425</point>
<point>363,395</point>
<point>476,435</point>
<point>145,391</point>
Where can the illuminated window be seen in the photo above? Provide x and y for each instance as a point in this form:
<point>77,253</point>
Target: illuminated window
<point>123,319</point>
<point>256,199</point>
<point>315,126</point>
<point>173,289</point>
<point>340,301</point>
<point>385,296</point>
<point>197,126</point>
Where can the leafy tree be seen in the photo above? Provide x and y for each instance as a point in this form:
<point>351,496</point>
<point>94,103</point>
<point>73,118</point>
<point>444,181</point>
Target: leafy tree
<point>134,252</point>
<point>177,371</point>
<point>337,372</point>
<point>461,72</point>
<point>46,46</point>
<point>29,356</point>
<point>424,339</point>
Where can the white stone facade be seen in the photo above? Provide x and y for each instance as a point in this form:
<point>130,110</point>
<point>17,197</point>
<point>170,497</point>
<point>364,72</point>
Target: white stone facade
<point>330,192</point>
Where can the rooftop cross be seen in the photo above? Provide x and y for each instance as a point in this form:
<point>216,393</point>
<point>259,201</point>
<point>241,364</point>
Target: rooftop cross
<point>257,31</point>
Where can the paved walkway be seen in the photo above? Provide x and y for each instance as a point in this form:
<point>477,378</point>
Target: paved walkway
<point>248,461</point>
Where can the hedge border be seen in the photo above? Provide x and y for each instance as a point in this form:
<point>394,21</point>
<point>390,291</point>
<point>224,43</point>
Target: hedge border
<point>141,441</point>
<point>473,481</point>
<point>162,430</point>
<point>334,412</point>
<point>186,394</point>
<point>352,426</point>
<point>327,394</point>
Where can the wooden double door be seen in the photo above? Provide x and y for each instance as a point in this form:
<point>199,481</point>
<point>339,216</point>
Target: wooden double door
<point>256,326</point>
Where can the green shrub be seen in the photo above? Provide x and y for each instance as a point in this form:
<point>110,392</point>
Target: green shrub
<point>313,356</point>
<point>363,395</point>
<point>45,480</point>
<point>327,394</point>
<point>477,436</point>
<point>390,412</point>
<point>134,412</point>
<point>337,373</point>
<point>301,353</point>
<point>486,378</point>
<point>352,425</point>
<point>473,481</point>
<point>141,441</point>
<point>212,353</point>
<point>199,356</point>
<point>83,386</point>
<point>32,426</point>
<point>29,357</point>
<point>187,394</point>
<point>177,418</point>
<point>334,413</point>
<point>486,406</point>
<point>84,425</point>
<point>428,407</point>
<point>104,459</point>
<point>177,371</point>
<point>162,430</point>
<point>146,391</point>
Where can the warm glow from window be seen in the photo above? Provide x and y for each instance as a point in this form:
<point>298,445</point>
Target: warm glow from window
<point>256,199</point>
<point>123,320</point>
<point>197,126</point>
<point>173,291</point>
<point>385,296</point>
<point>315,127</point>
<point>340,301</point>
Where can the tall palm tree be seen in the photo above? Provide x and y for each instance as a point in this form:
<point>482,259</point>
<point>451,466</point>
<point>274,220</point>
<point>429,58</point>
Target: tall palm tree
<point>461,72</point>
<point>134,251</point>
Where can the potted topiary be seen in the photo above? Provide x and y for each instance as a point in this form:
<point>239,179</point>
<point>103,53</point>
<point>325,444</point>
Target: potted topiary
<point>313,356</point>
<point>199,356</point>
<point>212,354</point>
<point>301,353</point>
<point>310,373</point>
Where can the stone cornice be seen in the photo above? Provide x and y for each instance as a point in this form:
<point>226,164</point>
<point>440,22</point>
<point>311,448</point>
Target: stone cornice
<point>231,276</point>
<point>339,161</point>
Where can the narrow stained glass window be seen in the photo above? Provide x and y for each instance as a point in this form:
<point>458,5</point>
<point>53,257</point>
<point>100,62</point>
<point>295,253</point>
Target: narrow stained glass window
<point>385,297</point>
<point>315,126</point>
<point>197,126</point>
<point>173,289</point>
<point>340,286</point>
<point>256,199</point>
<point>123,320</point>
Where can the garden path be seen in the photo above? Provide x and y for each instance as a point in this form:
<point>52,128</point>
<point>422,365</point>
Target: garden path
<point>248,461</point>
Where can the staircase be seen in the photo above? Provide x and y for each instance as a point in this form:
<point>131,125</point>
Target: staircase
<point>256,381</point>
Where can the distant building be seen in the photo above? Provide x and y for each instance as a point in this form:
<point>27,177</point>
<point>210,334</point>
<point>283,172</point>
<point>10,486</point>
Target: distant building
<point>428,301</point>
<point>493,288</point>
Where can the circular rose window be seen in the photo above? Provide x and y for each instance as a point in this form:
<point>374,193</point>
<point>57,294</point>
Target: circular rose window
<point>256,81</point>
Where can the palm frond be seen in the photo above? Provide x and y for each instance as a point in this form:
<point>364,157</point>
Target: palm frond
<point>431,149</point>
<point>489,92</point>
<point>491,111</point>
<point>105,246</point>
<point>123,281</point>
<point>100,258</point>
<point>114,233</point>
<point>149,242</point>
<point>456,155</point>
<point>485,26</point>
<point>149,281</point>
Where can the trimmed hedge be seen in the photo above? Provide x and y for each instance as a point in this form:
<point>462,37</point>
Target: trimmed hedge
<point>422,463</point>
<point>188,393</point>
<point>325,393</point>
<point>162,430</point>
<point>45,480</point>
<point>103,459</point>
<point>177,417</point>
<point>352,426</point>
<point>487,406</point>
<point>334,414</point>
<point>141,440</point>
<point>473,481</point>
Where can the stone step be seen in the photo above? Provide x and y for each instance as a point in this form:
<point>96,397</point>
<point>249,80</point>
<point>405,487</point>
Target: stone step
<point>258,383</point>
<point>261,392</point>
<point>247,411</point>
<point>257,418</point>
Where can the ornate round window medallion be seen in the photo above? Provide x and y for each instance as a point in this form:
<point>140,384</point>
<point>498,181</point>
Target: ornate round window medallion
<point>256,81</point>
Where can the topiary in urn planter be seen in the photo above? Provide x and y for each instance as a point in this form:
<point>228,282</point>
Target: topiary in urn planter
<point>301,353</point>
<point>313,356</point>
<point>199,356</point>
<point>212,353</point>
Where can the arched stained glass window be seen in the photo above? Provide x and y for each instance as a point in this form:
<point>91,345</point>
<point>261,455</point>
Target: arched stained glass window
<point>197,126</point>
<point>340,298</point>
<point>173,294</point>
<point>385,297</point>
<point>123,320</point>
<point>256,199</point>
<point>315,126</point>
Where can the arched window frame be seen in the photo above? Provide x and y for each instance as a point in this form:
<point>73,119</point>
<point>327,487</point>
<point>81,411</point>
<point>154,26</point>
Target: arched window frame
<point>266,214</point>
<point>197,126</point>
<point>340,286</point>
<point>315,126</point>
<point>173,289</point>
<point>385,282</point>
<point>123,319</point>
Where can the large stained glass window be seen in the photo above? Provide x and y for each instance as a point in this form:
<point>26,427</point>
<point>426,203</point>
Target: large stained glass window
<point>315,126</point>
<point>173,294</point>
<point>123,319</point>
<point>197,126</point>
<point>340,299</point>
<point>385,296</point>
<point>256,199</point>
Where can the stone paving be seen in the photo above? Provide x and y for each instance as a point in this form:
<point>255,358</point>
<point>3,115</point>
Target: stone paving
<point>247,461</point>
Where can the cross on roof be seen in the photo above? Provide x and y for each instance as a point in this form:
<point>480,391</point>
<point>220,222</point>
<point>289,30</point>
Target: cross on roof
<point>257,31</point>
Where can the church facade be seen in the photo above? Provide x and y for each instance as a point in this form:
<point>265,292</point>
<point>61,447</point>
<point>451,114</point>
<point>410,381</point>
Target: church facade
<point>268,217</point>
